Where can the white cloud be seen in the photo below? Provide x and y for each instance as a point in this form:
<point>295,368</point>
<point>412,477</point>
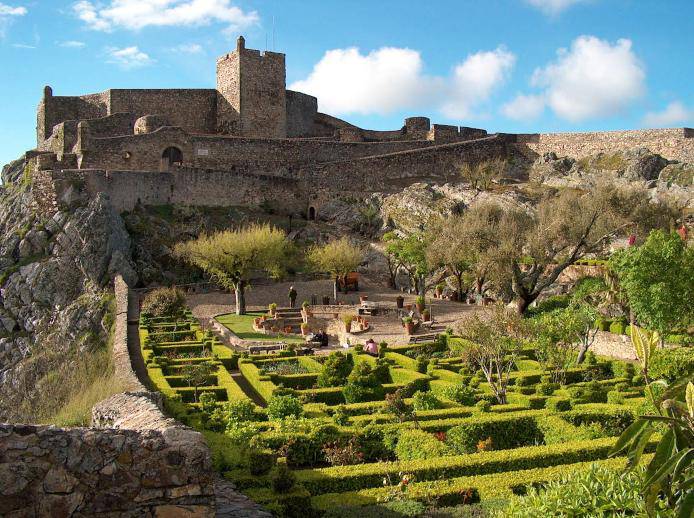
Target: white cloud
<point>8,10</point>
<point>138,14</point>
<point>591,79</point>
<point>524,107</point>
<point>23,46</point>
<point>391,79</point>
<point>553,7</point>
<point>674,113</point>
<point>7,14</point>
<point>187,48</point>
<point>475,79</point>
<point>72,44</point>
<point>128,58</point>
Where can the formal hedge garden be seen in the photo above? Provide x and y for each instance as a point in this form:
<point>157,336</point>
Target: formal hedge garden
<point>417,425</point>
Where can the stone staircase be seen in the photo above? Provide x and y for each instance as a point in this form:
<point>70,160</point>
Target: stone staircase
<point>290,317</point>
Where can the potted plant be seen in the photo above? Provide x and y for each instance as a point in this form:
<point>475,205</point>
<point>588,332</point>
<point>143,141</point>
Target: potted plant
<point>304,328</point>
<point>347,319</point>
<point>272,309</point>
<point>421,303</point>
<point>426,315</point>
<point>399,301</point>
<point>438,291</point>
<point>408,323</point>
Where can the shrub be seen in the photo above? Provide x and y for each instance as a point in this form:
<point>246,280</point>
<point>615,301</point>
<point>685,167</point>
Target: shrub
<point>283,479</point>
<point>591,392</point>
<point>602,324</point>
<point>672,364</point>
<point>617,327</point>
<point>340,454</point>
<point>417,444</point>
<point>623,369</point>
<point>425,401</point>
<point>483,406</point>
<point>362,385</point>
<point>281,407</point>
<point>422,364</point>
<point>335,370</point>
<point>164,302</point>
<point>546,389</point>
<point>340,415</point>
<point>558,404</point>
<point>597,492</point>
<point>260,461</point>
<point>208,401</point>
<point>638,380</point>
<point>461,394</point>
<point>525,381</point>
<point>381,370</point>
<point>464,437</point>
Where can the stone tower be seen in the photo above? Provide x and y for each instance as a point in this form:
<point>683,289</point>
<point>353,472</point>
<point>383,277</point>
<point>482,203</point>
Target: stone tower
<point>251,93</point>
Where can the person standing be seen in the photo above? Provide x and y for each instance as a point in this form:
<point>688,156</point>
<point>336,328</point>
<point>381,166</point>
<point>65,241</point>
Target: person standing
<point>292,297</point>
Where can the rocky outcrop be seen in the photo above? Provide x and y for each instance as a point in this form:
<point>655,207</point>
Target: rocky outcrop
<point>55,273</point>
<point>665,179</point>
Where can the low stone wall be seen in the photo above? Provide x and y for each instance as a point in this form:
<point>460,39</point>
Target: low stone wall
<point>46,471</point>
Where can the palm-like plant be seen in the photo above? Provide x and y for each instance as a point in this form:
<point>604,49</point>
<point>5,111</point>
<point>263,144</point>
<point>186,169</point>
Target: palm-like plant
<point>669,478</point>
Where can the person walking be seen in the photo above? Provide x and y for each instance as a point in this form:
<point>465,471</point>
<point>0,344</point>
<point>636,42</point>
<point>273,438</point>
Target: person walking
<point>292,297</point>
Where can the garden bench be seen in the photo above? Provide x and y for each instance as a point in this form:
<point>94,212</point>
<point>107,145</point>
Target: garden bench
<point>423,338</point>
<point>257,349</point>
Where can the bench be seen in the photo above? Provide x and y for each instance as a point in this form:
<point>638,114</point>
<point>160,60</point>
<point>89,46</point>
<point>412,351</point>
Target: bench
<point>257,349</point>
<point>428,337</point>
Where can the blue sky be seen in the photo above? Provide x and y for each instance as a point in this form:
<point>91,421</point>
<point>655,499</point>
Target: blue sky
<point>504,65</point>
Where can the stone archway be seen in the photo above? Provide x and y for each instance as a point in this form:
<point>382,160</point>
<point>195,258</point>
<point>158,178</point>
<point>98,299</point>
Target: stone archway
<point>170,157</point>
<point>312,213</point>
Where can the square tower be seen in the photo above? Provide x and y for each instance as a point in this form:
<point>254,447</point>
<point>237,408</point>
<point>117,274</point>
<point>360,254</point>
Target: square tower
<point>251,93</point>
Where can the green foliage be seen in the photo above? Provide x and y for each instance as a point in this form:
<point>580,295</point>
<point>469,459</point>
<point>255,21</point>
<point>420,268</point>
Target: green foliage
<point>283,479</point>
<point>465,437</point>
<point>281,407</point>
<point>597,492</point>
<point>417,444</point>
<point>362,385</point>
<point>338,257</point>
<point>672,364</point>
<point>483,406</point>
<point>460,393</point>
<point>657,279</point>
<point>425,401</point>
<point>336,368</point>
<point>618,327</point>
<point>164,302</point>
<point>558,404</point>
<point>422,364</point>
<point>591,392</point>
<point>261,461</point>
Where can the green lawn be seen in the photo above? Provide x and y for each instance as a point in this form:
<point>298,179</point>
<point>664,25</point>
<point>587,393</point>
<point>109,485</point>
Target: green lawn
<point>242,326</point>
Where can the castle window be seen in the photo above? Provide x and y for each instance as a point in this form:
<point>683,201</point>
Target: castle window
<point>170,157</point>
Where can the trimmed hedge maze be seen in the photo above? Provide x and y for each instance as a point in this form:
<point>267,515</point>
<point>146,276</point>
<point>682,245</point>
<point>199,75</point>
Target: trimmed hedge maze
<point>300,447</point>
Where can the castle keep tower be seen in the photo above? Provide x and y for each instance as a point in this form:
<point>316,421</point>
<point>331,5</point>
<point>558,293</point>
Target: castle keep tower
<point>251,93</point>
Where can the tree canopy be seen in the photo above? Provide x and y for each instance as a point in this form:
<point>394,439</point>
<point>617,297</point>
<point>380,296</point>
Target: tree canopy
<point>230,257</point>
<point>338,257</point>
<point>658,280</point>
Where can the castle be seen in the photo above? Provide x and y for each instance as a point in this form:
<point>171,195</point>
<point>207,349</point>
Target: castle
<point>252,141</point>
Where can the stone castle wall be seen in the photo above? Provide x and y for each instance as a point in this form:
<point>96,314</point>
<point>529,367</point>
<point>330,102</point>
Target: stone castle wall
<point>301,114</point>
<point>672,143</point>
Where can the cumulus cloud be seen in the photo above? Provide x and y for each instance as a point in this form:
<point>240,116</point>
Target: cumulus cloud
<point>138,14</point>
<point>72,44</point>
<point>7,14</point>
<point>475,79</point>
<point>128,58</point>
<point>674,113</point>
<point>524,107</point>
<point>391,79</point>
<point>593,78</point>
<point>553,7</point>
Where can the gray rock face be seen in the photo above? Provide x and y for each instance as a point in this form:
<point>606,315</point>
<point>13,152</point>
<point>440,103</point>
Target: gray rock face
<point>55,271</point>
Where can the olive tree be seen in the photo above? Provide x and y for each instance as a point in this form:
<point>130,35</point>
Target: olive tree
<point>495,339</point>
<point>527,249</point>
<point>410,253</point>
<point>339,257</point>
<point>449,248</point>
<point>232,256</point>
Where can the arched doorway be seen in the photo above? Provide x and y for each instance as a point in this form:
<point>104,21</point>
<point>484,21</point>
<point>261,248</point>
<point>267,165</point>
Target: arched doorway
<point>170,157</point>
<point>311,213</point>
